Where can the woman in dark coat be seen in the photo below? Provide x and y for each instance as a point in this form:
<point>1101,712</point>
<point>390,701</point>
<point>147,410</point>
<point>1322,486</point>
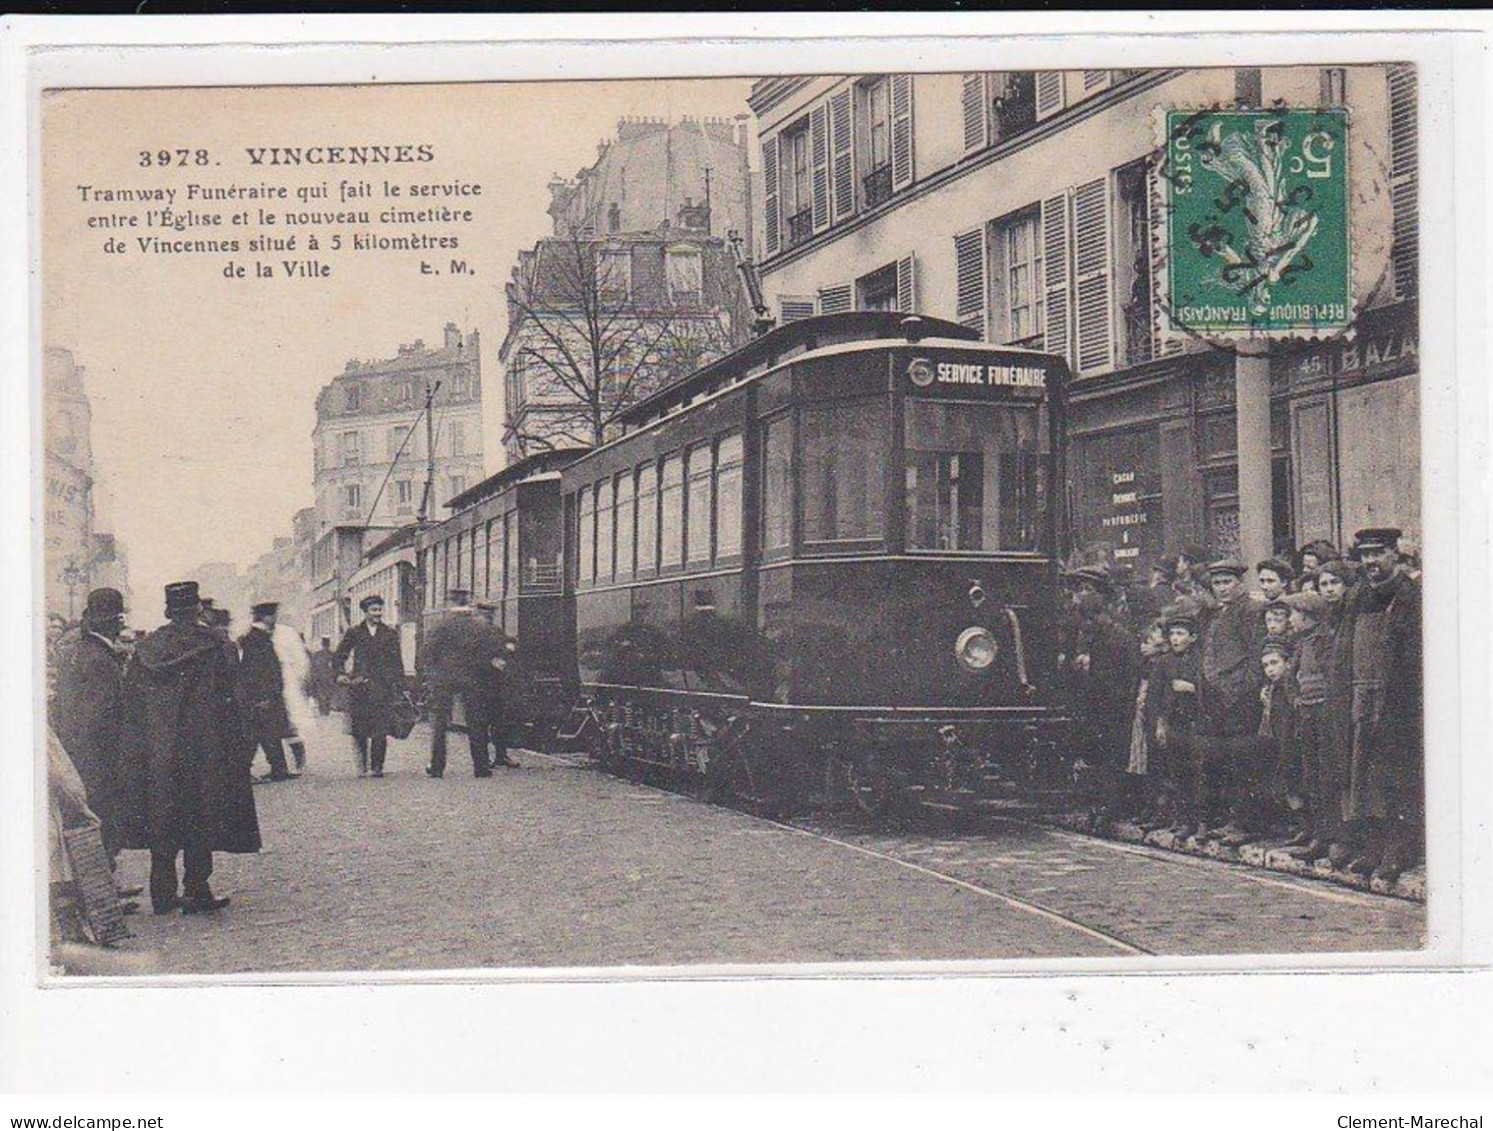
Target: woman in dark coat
<point>185,773</point>
<point>376,684</point>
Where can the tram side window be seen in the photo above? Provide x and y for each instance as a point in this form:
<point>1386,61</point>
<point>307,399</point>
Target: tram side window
<point>671,513</point>
<point>728,461</point>
<point>586,535</point>
<point>495,551</point>
<point>604,521</point>
<point>844,445</point>
<point>777,483</point>
<point>972,476</point>
<point>698,533</point>
<point>647,518</point>
<point>624,525</point>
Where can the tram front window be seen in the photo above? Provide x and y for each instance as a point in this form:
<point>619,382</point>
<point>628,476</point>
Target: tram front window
<point>972,476</point>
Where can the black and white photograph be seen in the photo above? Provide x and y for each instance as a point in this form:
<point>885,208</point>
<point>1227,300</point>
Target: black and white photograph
<point>924,521</point>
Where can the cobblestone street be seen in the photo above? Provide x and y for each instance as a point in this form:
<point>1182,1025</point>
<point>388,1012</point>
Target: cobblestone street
<point>556,864</point>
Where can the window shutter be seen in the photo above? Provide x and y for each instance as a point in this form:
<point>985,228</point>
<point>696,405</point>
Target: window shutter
<point>1049,93</point>
<point>793,307</point>
<point>901,131</point>
<point>1092,276</point>
<point>1055,272</point>
<point>842,135</point>
<point>907,295</point>
<point>1164,342</point>
<point>770,232</point>
<point>836,300</point>
<point>975,104</point>
<point>1095,81</point>
<point>1404,192</point>
<point>969,269</point>
<point>819,154</point>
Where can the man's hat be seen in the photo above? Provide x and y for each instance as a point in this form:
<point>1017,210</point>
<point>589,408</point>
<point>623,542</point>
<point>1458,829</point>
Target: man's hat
<point>1279,646</point>
<point>1095,575</point>
<point>104,605</point>
<point>264,609</point>
<point>182,597</point>
<point>1278,603</point>
<point>1376,538</point>
<point>1279,566</point>
<point>459,596</point>
<point>372,599</point>
<point>326,640</point>
<point>1226,565</point>
<point>219,617</point>
<point>1311,603</point>
<point>487,606</point>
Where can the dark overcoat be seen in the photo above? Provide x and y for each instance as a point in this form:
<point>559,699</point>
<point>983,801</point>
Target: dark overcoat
<point>185,765</point>
<point>1382,775</point>
<point>459,652</point>
<point>377,677</point>
<point>261,688</point>
<point>87,718</point>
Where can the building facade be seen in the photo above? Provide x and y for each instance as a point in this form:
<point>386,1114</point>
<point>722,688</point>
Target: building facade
<point>596,323</point>
<point>653,171</point>
<point>370,440</point>
<point>1028,205</point>
<point>77,554</point>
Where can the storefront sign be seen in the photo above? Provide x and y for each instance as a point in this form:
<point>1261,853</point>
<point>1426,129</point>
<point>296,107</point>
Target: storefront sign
<point>1257,221</point>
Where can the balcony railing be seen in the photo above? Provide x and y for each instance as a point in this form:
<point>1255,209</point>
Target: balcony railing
<point>543,577</point>
<point>877,185</point>
<point>800,226</point>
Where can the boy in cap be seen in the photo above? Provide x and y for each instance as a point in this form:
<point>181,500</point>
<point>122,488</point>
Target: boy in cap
<point>1313,639</point>
<point>1173,701</point>
<point>1277,618</point>
<point>1276,774</point>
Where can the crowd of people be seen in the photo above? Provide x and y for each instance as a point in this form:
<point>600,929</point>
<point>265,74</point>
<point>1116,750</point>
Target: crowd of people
<point>1288,713</point>
<point>153,737</point>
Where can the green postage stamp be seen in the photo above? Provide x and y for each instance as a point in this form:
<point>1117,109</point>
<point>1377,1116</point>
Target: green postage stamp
<point>1257,221</point>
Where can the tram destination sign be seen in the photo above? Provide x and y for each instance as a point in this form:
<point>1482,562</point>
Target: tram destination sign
<point>978,375</point>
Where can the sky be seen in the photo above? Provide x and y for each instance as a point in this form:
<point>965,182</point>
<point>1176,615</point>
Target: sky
<point>203,388</point>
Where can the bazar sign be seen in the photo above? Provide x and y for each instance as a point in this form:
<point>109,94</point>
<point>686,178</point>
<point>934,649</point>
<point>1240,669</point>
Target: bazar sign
<point>1257,225</point>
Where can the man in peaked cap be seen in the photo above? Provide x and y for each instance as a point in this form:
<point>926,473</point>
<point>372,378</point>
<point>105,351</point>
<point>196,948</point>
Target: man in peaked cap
<point>186,780</point>
<point>375,683</point>
<point>261,691</point>
<point>1376,699</point>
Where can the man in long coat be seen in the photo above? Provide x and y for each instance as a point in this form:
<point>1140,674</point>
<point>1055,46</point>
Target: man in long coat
<point>459,660</point>
<point>375,683</point>
<point>1229,771</point>
<point>87,711</point>
<point>1376,695</point>
<point>1100,668</point>
<point>261,691</point>
<point>185,770</point>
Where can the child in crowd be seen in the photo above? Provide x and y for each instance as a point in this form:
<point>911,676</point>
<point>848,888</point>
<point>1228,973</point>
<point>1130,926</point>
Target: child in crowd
<point>1277,616</point>
<point>1313,649</point>
<point>1274,577</point>
<point>1176,680</point>
<point>1277,772</point>
<point>1145,774</point>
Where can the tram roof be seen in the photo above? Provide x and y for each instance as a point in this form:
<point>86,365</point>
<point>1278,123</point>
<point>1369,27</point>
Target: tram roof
<point>540,463</point>
<point>791,339</point>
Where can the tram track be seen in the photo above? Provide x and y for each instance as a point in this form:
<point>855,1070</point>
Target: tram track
<point>1013,902</point>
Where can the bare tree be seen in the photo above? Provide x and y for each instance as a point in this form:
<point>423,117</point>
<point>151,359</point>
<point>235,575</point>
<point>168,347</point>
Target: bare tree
<point>594,344</point>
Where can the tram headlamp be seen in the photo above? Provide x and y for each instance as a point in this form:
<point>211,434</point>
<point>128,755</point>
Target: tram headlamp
<point>975,649</point>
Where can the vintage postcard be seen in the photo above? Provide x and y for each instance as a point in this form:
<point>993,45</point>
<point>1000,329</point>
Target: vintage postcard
<point>930,514</point>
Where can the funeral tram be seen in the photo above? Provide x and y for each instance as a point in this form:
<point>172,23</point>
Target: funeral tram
<point>826,564</point>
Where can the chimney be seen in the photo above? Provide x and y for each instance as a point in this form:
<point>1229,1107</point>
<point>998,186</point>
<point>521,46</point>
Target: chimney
<point>453,336</point>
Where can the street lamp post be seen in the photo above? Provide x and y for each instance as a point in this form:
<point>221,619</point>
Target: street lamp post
<point>72,577</point>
